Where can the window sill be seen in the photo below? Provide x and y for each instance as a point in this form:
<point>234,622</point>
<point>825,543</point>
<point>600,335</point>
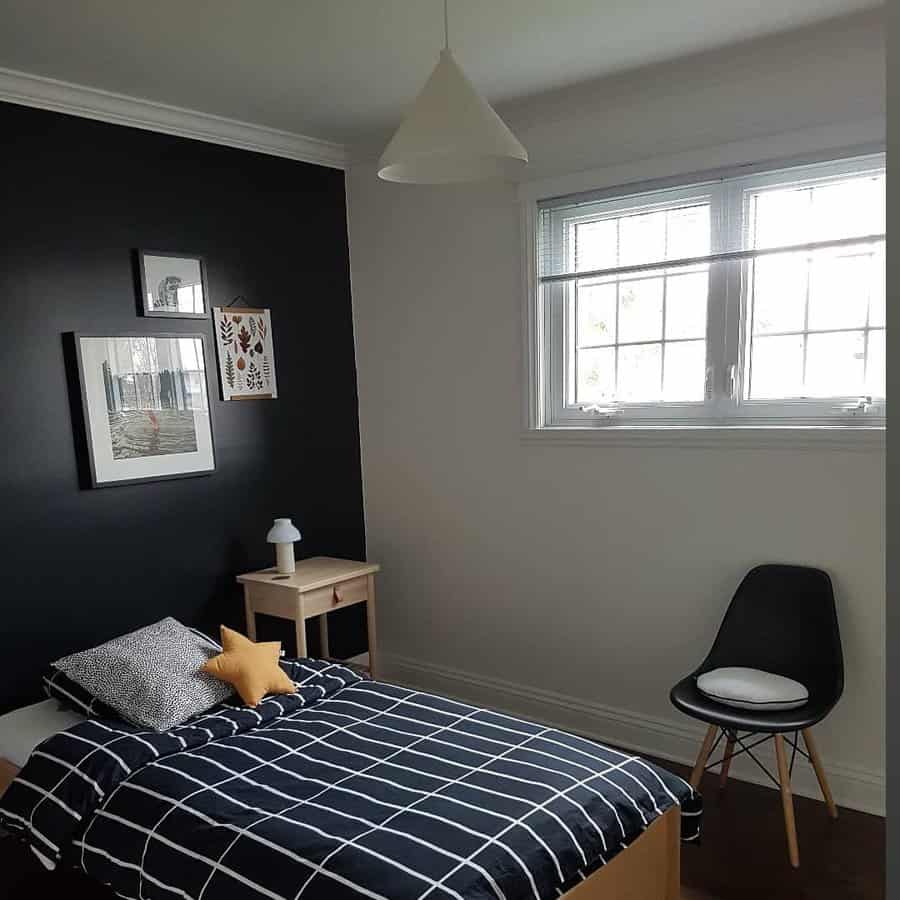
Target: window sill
<point>751,437</point>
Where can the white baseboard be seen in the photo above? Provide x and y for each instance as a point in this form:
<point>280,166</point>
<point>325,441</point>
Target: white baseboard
<point>677,741</point>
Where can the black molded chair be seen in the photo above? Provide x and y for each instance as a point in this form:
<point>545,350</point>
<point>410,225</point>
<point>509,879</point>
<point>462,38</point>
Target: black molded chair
<point>782,619</point>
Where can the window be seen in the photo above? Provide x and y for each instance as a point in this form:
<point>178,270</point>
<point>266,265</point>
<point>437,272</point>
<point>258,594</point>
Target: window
<point>751,300</point>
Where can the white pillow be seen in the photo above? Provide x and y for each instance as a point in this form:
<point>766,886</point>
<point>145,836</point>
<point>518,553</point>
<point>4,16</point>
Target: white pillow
<point>752,689</point>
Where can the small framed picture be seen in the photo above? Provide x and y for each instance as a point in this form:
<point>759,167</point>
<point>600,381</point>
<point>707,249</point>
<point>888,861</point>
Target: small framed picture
<point>173,285</point>
<point>245,352</point>
<point>145,405</point>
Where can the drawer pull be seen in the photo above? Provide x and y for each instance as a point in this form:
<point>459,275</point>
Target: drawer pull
<point>335,596</point>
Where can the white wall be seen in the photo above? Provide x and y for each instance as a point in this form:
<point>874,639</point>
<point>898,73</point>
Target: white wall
<point>576,584</point>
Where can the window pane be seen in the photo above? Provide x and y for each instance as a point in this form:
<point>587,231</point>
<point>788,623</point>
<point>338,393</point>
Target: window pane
<point>688,232</point>
<point>686,305</point>
<point>640,368</point>
<point>596,314</point>
<point>776,367</point>
<point>642,238</point>
<point>640,310</point>
<point>875,366</point>
<point>596,381</point>
<point>839,291</point>
<point>779,293</point>
<point>829,210</point>
<point>781,217</point>
<point>685,371</point>
<point>876,303</point>
<point>847,208</point>
<point>596,245</point>
<point>834,364</point>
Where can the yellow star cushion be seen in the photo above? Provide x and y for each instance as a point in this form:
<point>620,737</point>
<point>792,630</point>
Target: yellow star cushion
<point>252,669</point>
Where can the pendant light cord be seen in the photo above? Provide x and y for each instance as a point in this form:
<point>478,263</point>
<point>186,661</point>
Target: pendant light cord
<point>446,28</point>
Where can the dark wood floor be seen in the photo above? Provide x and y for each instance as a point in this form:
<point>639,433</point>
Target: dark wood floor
<point>743,854</point>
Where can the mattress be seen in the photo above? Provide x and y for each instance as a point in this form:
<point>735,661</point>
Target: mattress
<point>23,729</point>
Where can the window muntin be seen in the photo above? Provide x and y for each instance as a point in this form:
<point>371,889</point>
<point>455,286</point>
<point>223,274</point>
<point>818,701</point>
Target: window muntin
<point>724,333</point>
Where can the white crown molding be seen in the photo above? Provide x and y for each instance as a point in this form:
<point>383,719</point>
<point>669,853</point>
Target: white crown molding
<point>678,741</point>
<point>119,109</point>
<point>823,142</point>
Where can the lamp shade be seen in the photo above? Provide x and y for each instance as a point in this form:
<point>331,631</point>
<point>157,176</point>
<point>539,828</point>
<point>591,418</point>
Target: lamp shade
<point>451,134</point>
<point>283,532</point>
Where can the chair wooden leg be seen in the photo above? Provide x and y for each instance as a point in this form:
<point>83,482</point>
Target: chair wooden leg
<point>816,761</point>
<point>703,756</point>
<point>787,801</point>
<point>726,760</point>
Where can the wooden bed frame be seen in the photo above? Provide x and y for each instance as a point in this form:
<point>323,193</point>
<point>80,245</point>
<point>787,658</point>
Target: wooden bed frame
<point>7,772</point>
<point>650,869</point>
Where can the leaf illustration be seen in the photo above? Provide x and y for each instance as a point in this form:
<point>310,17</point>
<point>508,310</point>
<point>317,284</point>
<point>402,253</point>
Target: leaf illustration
<point>226,331</point>
<point>237,318</point>
<point>241,363</point>
<point>254,378</point>
<point>252,323</point>
<point>244,338</point>
<point>229,370</point>
<point>258,347</point>
<point>262,327</point>
<point>267,370</point>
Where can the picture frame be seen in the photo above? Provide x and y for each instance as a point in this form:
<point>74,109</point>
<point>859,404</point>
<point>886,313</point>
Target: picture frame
<point>144,404</point>
<point>245,352</point>
<point>172,285</point>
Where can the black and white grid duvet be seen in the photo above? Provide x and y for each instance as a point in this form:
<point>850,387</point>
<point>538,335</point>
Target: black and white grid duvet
<point>349,788</point>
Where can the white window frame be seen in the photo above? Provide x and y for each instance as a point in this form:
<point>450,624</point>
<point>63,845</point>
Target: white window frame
<point>724,409</point>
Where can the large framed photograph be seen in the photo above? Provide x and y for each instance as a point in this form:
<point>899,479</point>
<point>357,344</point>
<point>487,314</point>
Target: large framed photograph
<point>245,353</point>
<point>173,285</point>
<point>146,406</point>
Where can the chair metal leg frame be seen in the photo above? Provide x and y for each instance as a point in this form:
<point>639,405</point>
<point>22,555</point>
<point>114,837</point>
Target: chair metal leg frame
<point>745,749</point>
<point>785,770</point>
<point>730,738</point>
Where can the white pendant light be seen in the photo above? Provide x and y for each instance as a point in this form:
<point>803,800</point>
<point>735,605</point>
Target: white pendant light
<point>451,133</point>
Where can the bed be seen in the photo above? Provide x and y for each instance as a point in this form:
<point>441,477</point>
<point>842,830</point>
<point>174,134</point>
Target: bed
<point>350,788</point>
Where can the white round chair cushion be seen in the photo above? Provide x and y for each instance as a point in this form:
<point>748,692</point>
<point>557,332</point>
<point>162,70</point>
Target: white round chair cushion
<point>752,689</point>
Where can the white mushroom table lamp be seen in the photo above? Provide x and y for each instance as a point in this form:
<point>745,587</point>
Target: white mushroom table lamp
<point>283,534</point>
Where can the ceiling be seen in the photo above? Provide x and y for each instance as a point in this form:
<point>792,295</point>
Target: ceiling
<point>342,70</point>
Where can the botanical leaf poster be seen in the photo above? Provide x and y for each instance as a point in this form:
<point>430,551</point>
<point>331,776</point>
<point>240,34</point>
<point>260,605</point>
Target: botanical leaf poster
<point>245,354</point>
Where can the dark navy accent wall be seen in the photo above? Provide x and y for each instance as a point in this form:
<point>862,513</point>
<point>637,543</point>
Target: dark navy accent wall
<point>80,566</point>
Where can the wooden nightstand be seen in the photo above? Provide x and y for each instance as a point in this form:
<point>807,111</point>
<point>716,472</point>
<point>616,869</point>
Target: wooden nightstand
<point>319,585</point>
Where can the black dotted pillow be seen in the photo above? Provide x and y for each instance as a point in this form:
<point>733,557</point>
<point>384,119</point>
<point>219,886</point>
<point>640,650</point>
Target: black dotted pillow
<point>58,686</point>
<point>152,676</point>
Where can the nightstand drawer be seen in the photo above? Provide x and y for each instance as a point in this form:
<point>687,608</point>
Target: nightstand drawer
<point>344,593</point>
